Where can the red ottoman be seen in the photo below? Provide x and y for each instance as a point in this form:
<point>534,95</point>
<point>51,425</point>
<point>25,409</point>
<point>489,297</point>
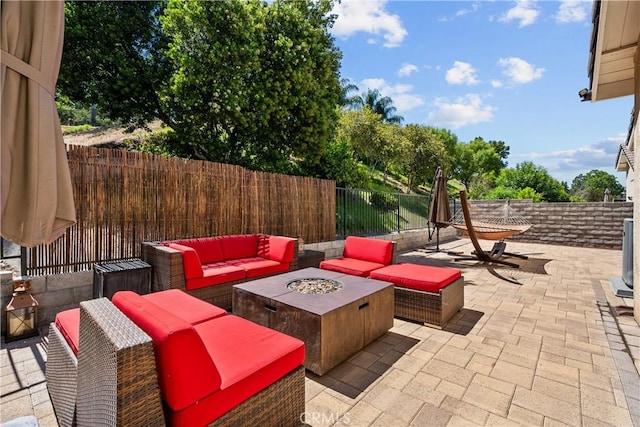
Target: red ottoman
<point>430,295</point>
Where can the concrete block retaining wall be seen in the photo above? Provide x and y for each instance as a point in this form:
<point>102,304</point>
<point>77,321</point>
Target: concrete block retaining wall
<point>405,241</point>
<point>596,225</point>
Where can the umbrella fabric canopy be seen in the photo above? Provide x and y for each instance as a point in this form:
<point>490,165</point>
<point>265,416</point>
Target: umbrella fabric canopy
<point>37,197</point>
<point>439,210</point>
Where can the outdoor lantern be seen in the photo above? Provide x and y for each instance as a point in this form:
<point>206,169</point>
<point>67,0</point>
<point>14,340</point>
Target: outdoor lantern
<point>22,312</point>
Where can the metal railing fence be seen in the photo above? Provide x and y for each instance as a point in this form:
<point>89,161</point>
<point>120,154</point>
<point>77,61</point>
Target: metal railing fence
<point>367,212</point>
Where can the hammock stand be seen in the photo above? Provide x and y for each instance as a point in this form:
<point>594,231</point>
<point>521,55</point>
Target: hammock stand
<point>496,227</point>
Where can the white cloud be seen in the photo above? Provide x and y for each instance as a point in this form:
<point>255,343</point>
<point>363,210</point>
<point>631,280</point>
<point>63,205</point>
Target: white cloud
<point>474,8</point>
<point>519,70</point>
<point>525,11</point>
<point>496,83</point>
<point>374,84</point>
<point>567,164</point>
<point>370,17</point>
<point>572,11</point>
<point>407,69</point>
<point>461,73</point>
<point>401,94</point>
<point>463,111</point>
<point>462,12</point>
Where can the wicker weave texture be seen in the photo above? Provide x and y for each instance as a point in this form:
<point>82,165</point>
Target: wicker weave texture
<point>218,295</point>
<point>431,308</point>
<point>280,404</point>
<point>61,375</point>
<point>117,383</point>
<point>167,271</point>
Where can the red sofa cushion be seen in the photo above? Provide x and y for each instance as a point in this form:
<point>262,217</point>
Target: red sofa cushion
<point>215,274</point>
<point>189,308</point>
<point>276,248</point>
<point>68,323</point>
<point>255,267</point>
<point>251,358</point>
<point>419,277</point>
<point>355,267</point>
<point>373,250</point>
<point>186,372</point>
<point>208,248</point>
<point>190,261</point>
<point>239,246</point>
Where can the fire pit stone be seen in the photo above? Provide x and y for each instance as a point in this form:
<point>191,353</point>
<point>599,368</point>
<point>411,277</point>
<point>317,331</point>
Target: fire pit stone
<point>314,285</point>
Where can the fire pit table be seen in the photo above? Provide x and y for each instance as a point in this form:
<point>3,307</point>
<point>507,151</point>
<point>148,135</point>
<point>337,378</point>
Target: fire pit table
<point>335,314</point>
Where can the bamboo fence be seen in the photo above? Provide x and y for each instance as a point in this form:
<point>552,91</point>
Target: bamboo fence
<point>124,198</point>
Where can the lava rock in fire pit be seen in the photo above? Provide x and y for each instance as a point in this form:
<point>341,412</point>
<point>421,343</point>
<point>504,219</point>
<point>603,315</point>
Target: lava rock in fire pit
<point>314,286</point>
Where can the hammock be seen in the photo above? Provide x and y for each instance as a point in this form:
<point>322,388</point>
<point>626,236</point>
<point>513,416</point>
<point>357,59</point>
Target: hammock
<point>491,227</point>
<point>497,226</point>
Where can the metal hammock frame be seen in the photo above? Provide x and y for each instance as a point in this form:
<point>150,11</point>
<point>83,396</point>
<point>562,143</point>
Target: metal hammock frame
<point>490,227</point>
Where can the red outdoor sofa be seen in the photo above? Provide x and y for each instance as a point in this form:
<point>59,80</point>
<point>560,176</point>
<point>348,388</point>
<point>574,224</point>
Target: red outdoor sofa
<point>208,267</point>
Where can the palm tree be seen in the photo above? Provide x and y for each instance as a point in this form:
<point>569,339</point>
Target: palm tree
<point>348,101</point>
<point>381,105</point>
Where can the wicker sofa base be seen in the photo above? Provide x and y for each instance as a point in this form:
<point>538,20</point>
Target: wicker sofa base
<point>434,309</point>
<point>61,374</point>
<point>218,295</point>
<point>280,404</point>
<point>168,273</point>
<point>117,380</point>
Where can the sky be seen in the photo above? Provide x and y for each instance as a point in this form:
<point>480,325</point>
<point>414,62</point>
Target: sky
<point>501,70</point>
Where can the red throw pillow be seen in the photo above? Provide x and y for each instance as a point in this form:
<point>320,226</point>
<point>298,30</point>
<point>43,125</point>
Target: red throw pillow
<point>190,261</point>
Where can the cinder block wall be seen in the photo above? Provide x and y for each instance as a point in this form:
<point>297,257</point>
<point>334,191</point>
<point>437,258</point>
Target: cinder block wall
<point>54,293</point>
<point>405,241</point>
<point>597,225</point>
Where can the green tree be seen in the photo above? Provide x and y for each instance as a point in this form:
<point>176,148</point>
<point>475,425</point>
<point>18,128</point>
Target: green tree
<point>502,149</point>
<point>381,105</point>
<point>392,147</point>
<point>242,82</point>
<point>362,129</point>
<point>591,187</point>
<point>348,101</point>
<point>527,174</point>
<point>113,57</point>
<point>255,83</point>
<point>474,160</point>
<point>450,140</point>
<point>337,163</point>
<point>501,192</point>
<point>424,151</point>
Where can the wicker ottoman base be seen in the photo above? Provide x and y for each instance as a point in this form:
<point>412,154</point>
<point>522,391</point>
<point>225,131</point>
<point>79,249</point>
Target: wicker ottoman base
<point>434,309</point>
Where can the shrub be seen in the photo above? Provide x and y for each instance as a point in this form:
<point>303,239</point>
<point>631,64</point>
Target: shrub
<point>76,129</point>
<point>383,201</point>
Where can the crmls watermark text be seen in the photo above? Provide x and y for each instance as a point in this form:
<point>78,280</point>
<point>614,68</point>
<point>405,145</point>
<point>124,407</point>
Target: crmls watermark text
<point>325,418</point>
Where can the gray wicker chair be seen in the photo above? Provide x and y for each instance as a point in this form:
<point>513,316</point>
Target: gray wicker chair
<point>117,380</point>
<point>113,381</point>
<point>61,375</point>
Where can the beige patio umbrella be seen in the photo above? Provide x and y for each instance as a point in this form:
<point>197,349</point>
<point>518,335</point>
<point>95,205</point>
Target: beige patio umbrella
<point>439,209</point>
<point>37,198</point>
